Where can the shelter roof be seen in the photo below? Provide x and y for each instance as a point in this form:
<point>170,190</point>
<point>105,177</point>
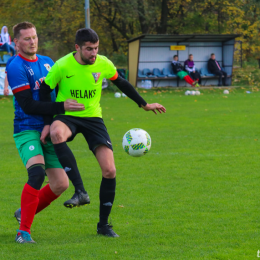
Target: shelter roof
<point>185,37</point>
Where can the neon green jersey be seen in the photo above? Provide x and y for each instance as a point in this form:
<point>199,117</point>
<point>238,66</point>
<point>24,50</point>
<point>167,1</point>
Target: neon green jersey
<point>81,82</point>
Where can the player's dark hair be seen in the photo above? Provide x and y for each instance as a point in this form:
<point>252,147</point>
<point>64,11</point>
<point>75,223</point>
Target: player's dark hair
<point>22,26</point>
<point>86,35</point>
<point>175,56</point>
<point>212,54</point>
<point>190,55</point>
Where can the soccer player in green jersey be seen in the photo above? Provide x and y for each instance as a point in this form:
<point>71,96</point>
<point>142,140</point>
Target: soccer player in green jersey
<point>79,76</point>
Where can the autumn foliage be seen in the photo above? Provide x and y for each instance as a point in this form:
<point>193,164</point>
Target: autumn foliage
<point>116,21</point>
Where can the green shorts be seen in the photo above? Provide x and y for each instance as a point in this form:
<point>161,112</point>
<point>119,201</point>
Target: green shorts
<point>29,145</point>
<point>182,74</point>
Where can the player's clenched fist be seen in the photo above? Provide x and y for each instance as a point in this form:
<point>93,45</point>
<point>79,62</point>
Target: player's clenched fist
<point>73,105</point>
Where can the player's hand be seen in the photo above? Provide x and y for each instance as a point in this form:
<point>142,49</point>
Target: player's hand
<point>45,134</point>
<point>73,105</point>
<point>6,91</point>
<point>154,107</point>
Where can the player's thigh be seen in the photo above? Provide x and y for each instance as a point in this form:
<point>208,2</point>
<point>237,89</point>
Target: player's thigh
<point>50,157</point>
<point>105,158</point>
<point>59,131</point>
<point>29,147</point>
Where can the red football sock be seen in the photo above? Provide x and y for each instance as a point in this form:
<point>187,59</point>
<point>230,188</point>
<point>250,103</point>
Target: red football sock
<point>188,79</point>
<point>46,196</point>
<point>29,203</point>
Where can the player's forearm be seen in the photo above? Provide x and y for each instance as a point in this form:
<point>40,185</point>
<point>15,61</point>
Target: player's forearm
<point>33,107</point>
<point>45,92</point>
<point>129,90</point>
<point>6,82</point>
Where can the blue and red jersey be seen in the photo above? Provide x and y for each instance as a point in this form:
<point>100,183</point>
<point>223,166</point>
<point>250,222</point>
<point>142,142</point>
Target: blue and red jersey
<point>25,74</point>
<point>8,62</point>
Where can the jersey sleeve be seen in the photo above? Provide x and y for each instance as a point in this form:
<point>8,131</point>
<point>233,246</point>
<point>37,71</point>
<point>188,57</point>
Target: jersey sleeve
<point>17,78</point>
<point>54,76</point>
<point>111,70</point>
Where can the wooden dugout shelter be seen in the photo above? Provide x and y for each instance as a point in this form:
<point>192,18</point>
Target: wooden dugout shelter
<point>157,51</point>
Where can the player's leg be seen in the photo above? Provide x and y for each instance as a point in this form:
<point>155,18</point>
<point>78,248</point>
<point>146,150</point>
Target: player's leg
<point>95,133</point>
<point>60,132</point>
<point>58,179</point>
<point>105,159</point>
<point>29,147</point>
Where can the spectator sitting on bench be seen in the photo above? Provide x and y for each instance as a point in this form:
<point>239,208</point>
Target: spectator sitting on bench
<point>178,69</point>
<point>214,68</point>
<point>6,41</point>
<point>190,68</point>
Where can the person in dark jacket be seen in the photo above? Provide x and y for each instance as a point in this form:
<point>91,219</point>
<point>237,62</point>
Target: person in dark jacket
<point>214,68</point>
<point>190,68</point>
<point>178,69</point>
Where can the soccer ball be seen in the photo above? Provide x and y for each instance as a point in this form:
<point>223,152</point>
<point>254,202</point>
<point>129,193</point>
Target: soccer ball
<point>124,95</point>
<point>187,93</point>
<point>197,92</point>
<point>226,91</point>
<point>136,142</point>
<point>193,93</point>
<point>117,95</point>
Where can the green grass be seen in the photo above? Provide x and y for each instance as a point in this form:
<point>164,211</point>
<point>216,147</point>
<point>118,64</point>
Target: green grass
<point>195,195</point>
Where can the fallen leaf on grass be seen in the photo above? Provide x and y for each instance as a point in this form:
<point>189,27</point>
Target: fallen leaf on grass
<point>121,206</point>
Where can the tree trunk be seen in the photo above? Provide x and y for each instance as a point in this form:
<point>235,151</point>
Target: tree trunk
<point>162,28</point>
<point>141,15</point>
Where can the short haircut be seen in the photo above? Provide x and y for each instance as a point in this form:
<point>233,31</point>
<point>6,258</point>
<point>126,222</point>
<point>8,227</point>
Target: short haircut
<point>190,55</point>
<point>212,54</point>
<point>86,35</point>
<point>175,56</point>
<point>22,26</point>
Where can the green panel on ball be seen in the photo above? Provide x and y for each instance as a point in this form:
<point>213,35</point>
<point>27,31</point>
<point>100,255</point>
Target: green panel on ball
<point>148,139</point>
<point>128,137</point>
<point>126,149</point>
<point>146,151</point>
<point>138,146</point>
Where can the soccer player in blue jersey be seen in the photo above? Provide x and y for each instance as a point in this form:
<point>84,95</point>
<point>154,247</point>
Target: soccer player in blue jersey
<point>25,74</point>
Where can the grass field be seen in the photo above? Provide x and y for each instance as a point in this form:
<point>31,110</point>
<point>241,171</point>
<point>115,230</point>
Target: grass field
<point>195,195</point>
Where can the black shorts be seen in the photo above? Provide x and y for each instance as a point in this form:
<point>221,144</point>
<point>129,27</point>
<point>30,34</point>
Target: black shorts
<point>92,128</point>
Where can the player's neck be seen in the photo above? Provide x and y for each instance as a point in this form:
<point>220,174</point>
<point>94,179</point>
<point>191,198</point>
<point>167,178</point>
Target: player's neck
<point>28,57</point>
<point>78,59</point>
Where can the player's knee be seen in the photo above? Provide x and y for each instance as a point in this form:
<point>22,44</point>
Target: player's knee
<point>36,174</point>
<point>109,172</point>
<point>61,186</point>
<point>57,135</point>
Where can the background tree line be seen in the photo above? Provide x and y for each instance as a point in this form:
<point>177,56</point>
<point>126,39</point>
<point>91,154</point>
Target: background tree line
<point>117,21</point>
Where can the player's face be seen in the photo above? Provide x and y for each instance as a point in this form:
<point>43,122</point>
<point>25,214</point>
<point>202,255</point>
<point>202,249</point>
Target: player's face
<point>213,57</point>
<point>191,58</point>
<point>27,42</point>
<point>5,30</point>
<point>88,52</point>
<point>176,58</point>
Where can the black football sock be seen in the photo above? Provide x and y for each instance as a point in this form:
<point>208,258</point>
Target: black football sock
<point>69,164</point>
<point>106,197</point>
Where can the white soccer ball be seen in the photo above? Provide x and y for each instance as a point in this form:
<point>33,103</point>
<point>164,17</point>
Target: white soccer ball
<point>136,142</point>
<point>193,93</point>
<point>187,93</point>
<point>117,95</point>
<point>124,95</point>
<point>226,91</point>
<point>197,92</point>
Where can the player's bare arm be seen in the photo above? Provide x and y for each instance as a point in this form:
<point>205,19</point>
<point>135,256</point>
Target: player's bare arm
<point>6,90</point>
<point>130,91</point>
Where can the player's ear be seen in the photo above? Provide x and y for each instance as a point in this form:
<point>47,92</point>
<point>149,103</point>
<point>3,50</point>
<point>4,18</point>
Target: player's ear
<point>15,41</point>
<point>77,47</point>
